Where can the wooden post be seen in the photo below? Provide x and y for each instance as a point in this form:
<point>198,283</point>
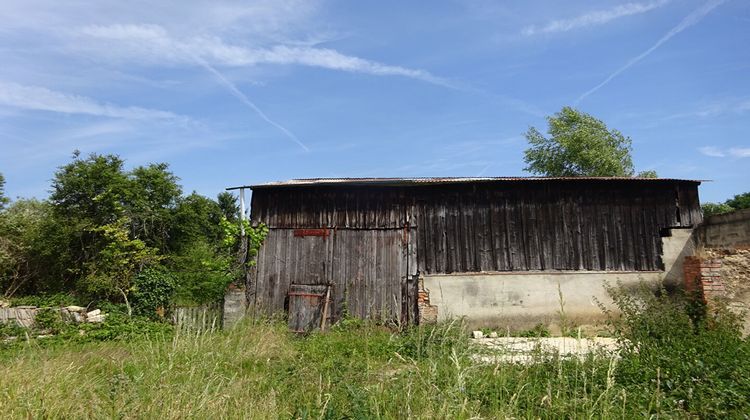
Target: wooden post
<point>325,309</point>
<point>242,214</point>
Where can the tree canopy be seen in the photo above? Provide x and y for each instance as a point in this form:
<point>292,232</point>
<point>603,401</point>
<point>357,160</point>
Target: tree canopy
<point>738,202</point>
<point>105,228</point>
<point>579,145</point>
<point>3,199</point>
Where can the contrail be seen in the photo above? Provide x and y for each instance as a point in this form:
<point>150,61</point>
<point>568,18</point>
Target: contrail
<point>245,100</point>
<point>485,169</point>
<point>687,22</point>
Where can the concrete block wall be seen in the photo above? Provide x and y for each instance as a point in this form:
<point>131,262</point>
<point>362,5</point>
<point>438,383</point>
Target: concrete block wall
<point>235,306</point>
<point>521,300</point>
<point>730,230</point>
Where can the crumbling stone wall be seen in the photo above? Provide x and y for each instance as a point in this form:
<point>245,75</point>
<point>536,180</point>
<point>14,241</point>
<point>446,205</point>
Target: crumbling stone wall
<point>24,316</point>
<point>735,275</point>
<point>722,274</point>
<point>428,314</point>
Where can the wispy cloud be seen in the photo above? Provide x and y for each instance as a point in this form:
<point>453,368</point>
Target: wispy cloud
<point>690,20</point>
<point>739,152</point>
<point>711,151</point>
<point>734,152</point>
<point>719,108</point>
<point>43,99</point>
<point>598,17</point>
<point>154,44</point>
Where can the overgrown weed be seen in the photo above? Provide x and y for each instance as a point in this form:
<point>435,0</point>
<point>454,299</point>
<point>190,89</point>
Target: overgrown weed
<point>673,364</point>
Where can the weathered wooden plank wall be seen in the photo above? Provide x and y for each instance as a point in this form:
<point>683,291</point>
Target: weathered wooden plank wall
<point>381,208</point>
<point>364,267</point>
<point>541,227</point>
<point>376,232</point>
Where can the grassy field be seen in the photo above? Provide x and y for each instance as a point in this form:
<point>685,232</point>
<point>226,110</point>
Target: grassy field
<point>358,370</point>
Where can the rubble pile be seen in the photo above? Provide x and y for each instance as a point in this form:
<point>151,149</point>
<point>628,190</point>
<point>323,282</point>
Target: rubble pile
<point>24,316</point>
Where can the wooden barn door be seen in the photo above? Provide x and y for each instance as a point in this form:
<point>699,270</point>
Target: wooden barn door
<point>290,257</point>
<point>309,307</point>
<point>369,270</point>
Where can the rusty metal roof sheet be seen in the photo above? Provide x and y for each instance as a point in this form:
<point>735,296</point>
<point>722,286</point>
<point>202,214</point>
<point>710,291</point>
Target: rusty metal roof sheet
<point>442,180</point>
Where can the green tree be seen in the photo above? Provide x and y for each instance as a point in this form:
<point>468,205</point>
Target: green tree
<point>94,202</point>
<point>22,227</point>
<point>34,254</point>
<point>196,218</point>
<point>118,261</point>
<point>739,201</point>
<point>647,174</point>
<point>3,199</point>
<point>578,145</point>
<point>153,196</point>
<point>202,273</point>
<point>91,190</point>
<point>228,204</point>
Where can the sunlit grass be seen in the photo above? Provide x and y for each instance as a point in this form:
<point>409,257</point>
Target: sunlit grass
<point>260,370</point>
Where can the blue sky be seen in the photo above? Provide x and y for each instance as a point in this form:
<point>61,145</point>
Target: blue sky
<point>233,93</point>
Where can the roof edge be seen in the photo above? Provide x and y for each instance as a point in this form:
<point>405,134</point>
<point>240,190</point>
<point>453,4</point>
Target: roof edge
<point>404,182</point>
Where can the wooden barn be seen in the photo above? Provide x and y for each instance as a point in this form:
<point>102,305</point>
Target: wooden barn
<point>496,250</point>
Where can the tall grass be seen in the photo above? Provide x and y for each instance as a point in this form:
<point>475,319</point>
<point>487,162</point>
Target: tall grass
<point>361,370</point>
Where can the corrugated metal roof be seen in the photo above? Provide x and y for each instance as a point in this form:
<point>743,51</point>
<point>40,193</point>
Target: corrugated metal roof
<point>443,180</point>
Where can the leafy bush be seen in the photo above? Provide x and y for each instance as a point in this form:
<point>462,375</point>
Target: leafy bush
<point>45,300</point>
<point>118,261</point>
<point>49,320</point>
<point>710,209</point>
<point>119,326</point>
<point>685,360</point>
<point>202,274</point>
<point>738,202</point>
<point>539,330</point>
<point>152,293</point>
<point>10,329</point>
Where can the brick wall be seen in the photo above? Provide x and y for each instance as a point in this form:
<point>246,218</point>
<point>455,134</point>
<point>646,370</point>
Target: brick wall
<point>703,275</point>
<point>428,314</point>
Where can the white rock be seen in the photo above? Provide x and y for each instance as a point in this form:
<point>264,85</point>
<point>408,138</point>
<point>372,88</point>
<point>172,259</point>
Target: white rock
<point>493,334</point>
<point>96,318</point>
<point>477,334</point>
<point>95,312</point>
<point>74,308</point>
